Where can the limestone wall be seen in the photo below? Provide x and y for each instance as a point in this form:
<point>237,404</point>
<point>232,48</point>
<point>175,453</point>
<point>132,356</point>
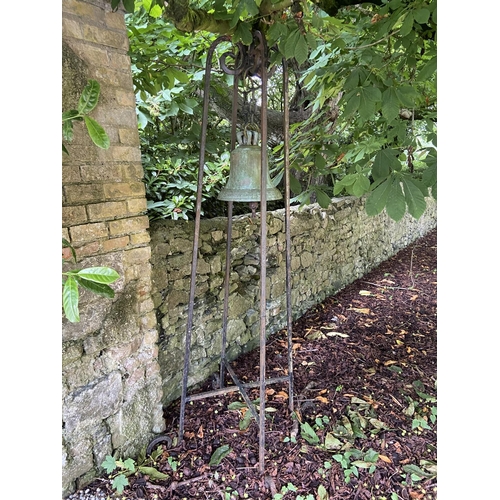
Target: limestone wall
<point>111,386</point>
<point>329,249</point>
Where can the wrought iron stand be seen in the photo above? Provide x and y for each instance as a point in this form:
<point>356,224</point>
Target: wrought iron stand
<point>248,62</point>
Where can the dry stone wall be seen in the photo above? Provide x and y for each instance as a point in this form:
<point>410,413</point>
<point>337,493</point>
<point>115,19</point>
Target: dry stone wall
<point>122,363</point>
<point>329,249</point>
<point>111,385</point>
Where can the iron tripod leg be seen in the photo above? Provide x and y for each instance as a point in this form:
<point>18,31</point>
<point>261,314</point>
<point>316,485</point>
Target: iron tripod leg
<point>247,64</point>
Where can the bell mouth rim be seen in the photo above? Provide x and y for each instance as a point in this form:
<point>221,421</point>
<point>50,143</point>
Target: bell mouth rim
<point>248,195</point>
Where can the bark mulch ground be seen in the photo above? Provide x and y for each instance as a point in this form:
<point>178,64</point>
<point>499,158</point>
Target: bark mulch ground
<point>364,425</point>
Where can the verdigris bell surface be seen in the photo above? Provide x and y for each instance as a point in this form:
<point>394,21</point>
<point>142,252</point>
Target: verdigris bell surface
<point>243,183</point>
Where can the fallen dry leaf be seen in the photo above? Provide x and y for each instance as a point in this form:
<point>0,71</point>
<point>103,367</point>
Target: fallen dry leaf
<point>363,310</point>
<point>322,399</point>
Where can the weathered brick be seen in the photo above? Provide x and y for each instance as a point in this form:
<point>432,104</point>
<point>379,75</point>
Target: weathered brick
<point>92,248</point>
<point>107,172</point>
<point>126,153</point>
<point>115,243</point>
<point>137,256</point>
<point>70,173</point>
<point>107,210</point>
<point>127,226</point>
<point>125,99</point>
<point>114,79</point>
<point>88,232</point>
<point>124,190</point>
<point>74,215</point>
<point>133,171</point>
<point>140,238</point>
<point>114,20</point>
<point>137,205</point>
<point>118,116</point>
<point>72,29</point>
<point>83,9</point>
<point>108,38</point>
<point>81,193</point>
<point>129,136</point>
<point>119,61</point>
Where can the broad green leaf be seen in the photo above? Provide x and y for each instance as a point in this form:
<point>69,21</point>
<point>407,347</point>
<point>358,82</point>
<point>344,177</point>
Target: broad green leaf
<point>371,456</point>
<point>361,464</point>
<point>427,70</point>
<point>377,199</point>
<point>422,15</point>
<point>406,95</point>
<point>245,421</point>
<point>322,493</point>
<point>97,133</point>
<point>276,32</point>
<point>307,432</point>
<point>219,454</point>
<point>178,75</point>
<point>355,78</point>
<point>251,7</point>
<point>67,131</point>
<point>99,274</point>
<point>109,464</point>
<point>97,288</point>
<point>301,51</point>
<point>243,33</point>
<point>129,464</point>
<point>119,483</point>
<point>319,161</point>
<point>70,300</point>
<point>372,94</point>
<point>419,389</point>
<point>361,185</point>
<point>384,161</point>
<point>407,24</point>
<point>429,177</point>
<point>90,96</point>
<point>323,199</point>
<point>396,204</point>
<point>331,442</point>
<point>129,5</point>
<point>414,198</point>
<point>156,11</point>
<point>152,472</point>
<point>291,43</point>
<point>352,105</point>
<point>184,107</point>
<point>415,469</point>
<point>295,185</point>
<point>70,115</point>
<point>390,104</point>
<point>236,405</point>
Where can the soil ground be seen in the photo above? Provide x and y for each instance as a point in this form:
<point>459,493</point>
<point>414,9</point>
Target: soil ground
<point>365,413</point>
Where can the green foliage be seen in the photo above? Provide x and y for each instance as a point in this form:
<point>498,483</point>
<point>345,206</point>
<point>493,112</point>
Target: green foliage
<point>366,78</point>
<point>95,279</point>
<point>421,411</point>
<point>120,470</point>
<point>87,102</point>
<point>219,454</point>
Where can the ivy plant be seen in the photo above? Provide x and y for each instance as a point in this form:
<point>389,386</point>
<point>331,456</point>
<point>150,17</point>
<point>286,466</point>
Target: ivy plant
<point>87,102</point>
<point>95,279</point>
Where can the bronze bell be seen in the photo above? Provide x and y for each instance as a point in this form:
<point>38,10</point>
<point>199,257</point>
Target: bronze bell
<point>243,183</point>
